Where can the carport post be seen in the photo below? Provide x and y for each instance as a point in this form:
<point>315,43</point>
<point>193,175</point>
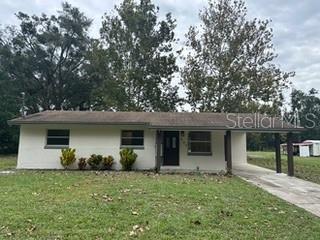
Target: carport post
<point>158,147</point>
<point>290,154</point>
<point>228,152</point>
<point>278,154</point>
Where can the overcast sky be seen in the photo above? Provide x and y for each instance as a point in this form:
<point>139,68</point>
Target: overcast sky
<point>296,26</point>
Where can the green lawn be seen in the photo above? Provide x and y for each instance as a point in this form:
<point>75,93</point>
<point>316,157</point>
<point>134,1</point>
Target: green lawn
<point>119,205</point>
<point>305,168</point>
<point>8,162</point>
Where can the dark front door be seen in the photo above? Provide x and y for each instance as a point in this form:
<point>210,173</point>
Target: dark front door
<point>171,149</point>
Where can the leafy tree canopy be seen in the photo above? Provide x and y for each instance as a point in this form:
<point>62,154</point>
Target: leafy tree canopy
<point>44,58</point>
<point>135,61</point>
<point>306,110</point>
<point>230,64</point>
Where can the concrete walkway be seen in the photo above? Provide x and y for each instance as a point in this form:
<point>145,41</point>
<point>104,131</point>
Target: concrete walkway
<point>301,193</point>
<point>6,172</point>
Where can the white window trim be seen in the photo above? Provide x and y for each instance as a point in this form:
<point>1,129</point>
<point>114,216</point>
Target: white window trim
<point>199,141</point>
<point>52,146</point>
<point>131,146</point>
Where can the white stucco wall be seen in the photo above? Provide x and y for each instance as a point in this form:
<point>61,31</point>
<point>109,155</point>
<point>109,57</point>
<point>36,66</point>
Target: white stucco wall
<point>238,148</point>
<point>105,140</point>
<point>214,162</point>
<point>85,139</point>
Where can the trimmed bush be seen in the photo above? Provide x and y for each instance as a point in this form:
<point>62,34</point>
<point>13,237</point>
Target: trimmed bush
<point>95,161</point>
<point>127,158</point>
<point>82,163</point>
<point>68,157</point>
<point>107,162</point>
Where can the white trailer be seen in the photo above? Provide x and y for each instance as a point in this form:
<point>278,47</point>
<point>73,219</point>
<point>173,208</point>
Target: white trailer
<point>299,149</point>
<point>314,147</point>
<point>304,151</point>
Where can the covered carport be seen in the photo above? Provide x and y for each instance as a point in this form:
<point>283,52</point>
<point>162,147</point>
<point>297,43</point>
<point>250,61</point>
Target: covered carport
<point>271,125</point>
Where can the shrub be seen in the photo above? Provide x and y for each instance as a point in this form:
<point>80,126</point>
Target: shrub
<point>107,162</point>
<point>68,157</point>
<point>95,161</point>
<point>127,158</point>
<point>82,163</point>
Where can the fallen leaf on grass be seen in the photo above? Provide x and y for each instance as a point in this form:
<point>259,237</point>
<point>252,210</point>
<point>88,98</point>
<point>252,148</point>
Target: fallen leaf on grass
<point>125,190</point>
<point>6,231</point>
<point>31,229</point>
<point>136,229</point>
<point>107,198</point>
<point>134,213</point>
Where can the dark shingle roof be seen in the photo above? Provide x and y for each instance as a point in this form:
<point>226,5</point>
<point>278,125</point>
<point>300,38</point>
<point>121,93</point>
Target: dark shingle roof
<point>169,120</point>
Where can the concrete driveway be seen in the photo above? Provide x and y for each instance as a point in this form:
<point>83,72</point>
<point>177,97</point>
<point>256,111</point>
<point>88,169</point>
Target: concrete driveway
<point>301,193</point>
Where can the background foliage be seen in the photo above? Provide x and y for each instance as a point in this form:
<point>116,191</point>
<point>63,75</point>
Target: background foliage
<point>228,65</point>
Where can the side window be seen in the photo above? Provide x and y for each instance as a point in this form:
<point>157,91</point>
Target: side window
<point>132,138</point>
<point>58,138</point>
<point>199,143</point>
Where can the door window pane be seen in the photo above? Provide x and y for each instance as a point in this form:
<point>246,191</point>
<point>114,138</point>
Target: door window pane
<point>167,142</point>
<point>174,142</point>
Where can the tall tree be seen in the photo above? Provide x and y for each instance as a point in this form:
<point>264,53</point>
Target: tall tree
<point>45,58</point>
<point>229,67</point>
<point>305,110</point>
<point>135,60</point>
<point>9,107</point>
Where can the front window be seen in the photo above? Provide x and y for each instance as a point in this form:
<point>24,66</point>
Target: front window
<point>132,138</point>
<point>199,143</point>
<point>58,138</point>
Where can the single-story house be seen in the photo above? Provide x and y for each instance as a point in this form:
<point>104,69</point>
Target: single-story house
<point>162,140</point>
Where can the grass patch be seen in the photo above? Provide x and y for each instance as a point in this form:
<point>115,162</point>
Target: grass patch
<point>8,162</point>
<point>307,168</point>
<point>120,205</point>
